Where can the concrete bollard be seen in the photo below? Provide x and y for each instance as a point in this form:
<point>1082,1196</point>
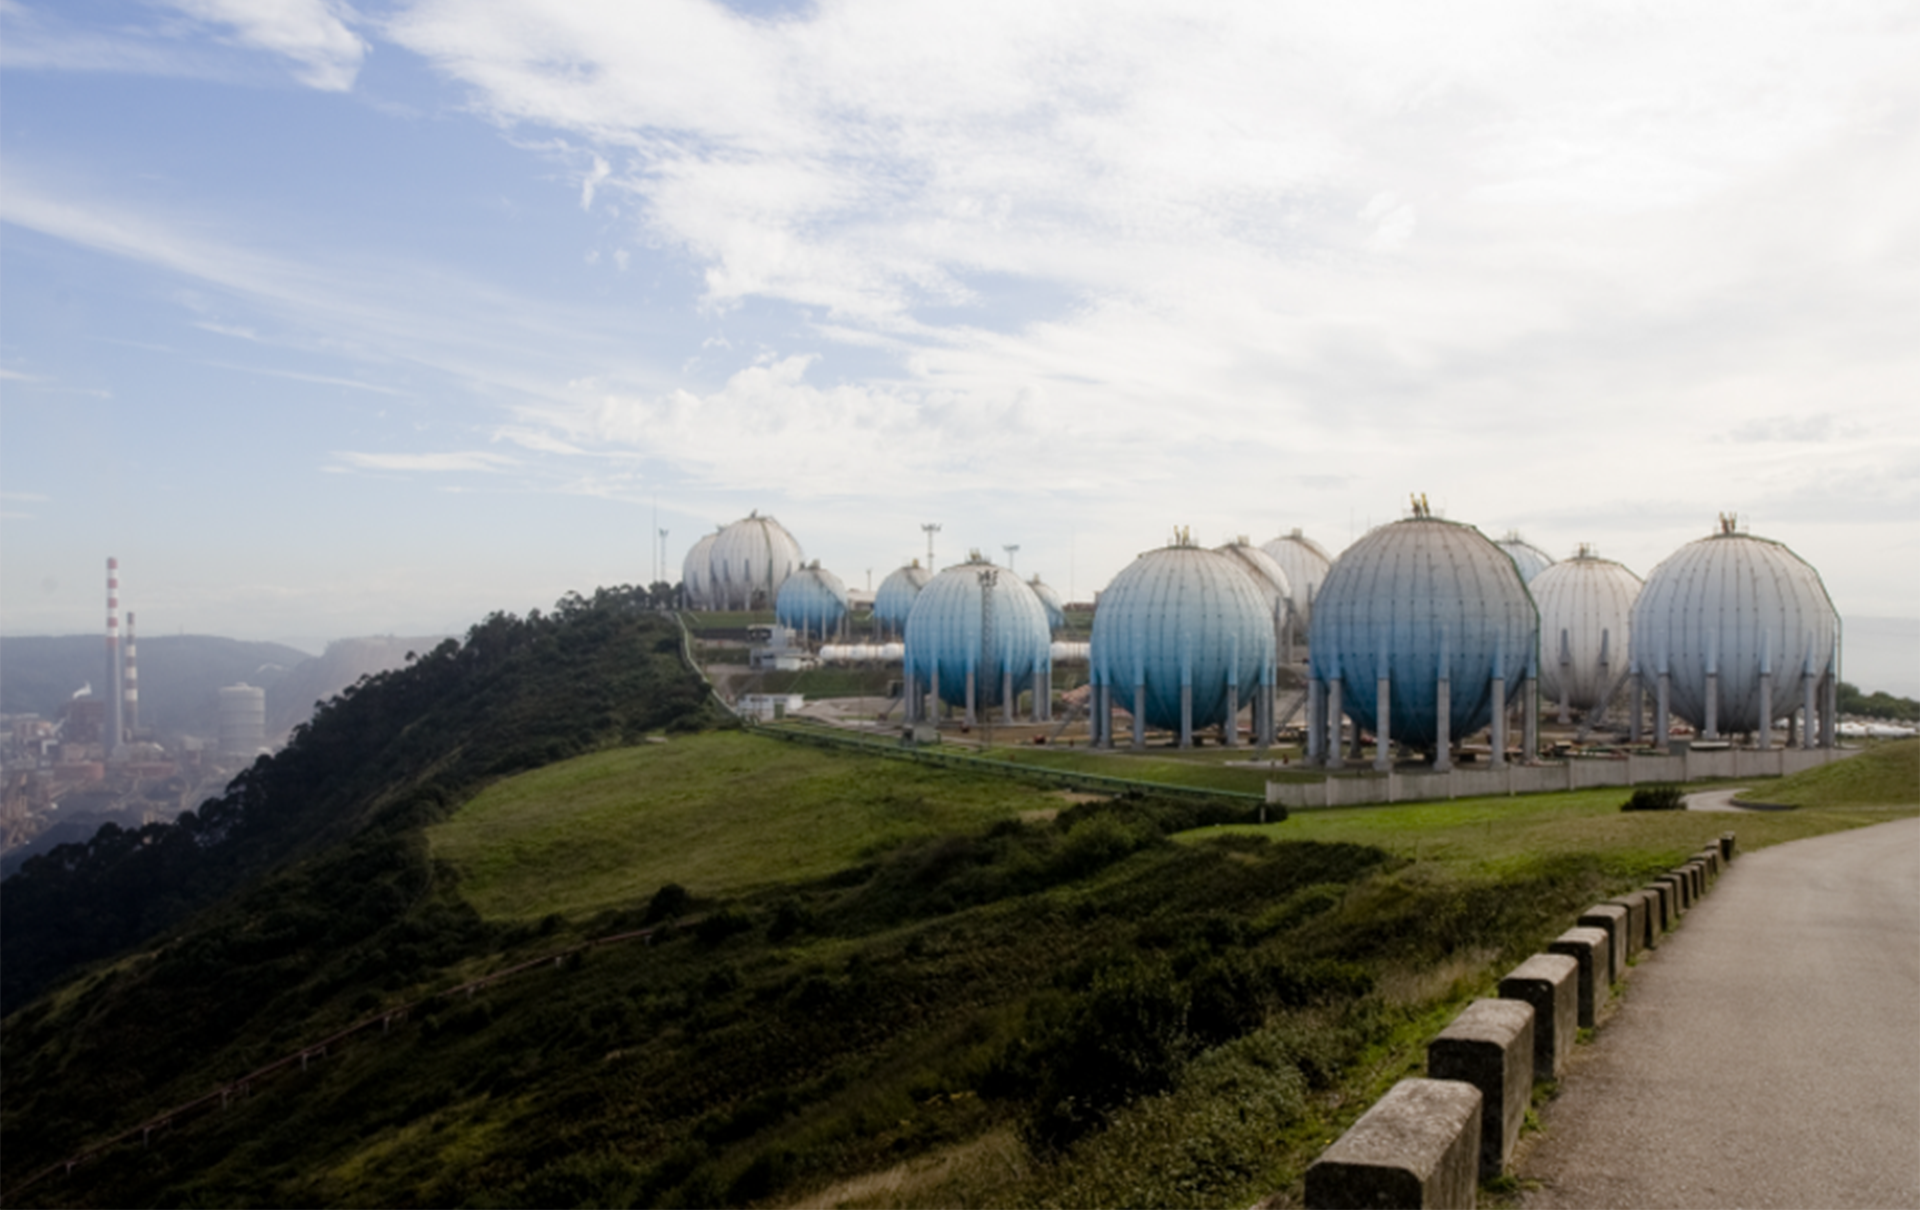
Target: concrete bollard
<point>1615,920</point>
<point>1590,950</point>
<point>1490,1046</point>
<point>1663,903</point>
<point>1418,1146</point>
<point>1636,904</point>
<point>1683,892</point>
<point>1726,847</point>
<point>1698,872</point>
<point>1676,884</point>
<point>1550,984</point>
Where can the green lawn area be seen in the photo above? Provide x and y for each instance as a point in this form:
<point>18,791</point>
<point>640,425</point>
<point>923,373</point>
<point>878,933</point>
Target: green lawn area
<point>1494,836</point>
<point>716,813</point>
<point>1205,768</point>
<point>1888,774</point>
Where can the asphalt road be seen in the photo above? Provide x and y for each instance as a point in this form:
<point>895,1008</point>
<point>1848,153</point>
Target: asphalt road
<point>1767,1054</point>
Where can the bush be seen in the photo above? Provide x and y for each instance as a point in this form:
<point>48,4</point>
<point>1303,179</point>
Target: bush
<point>1656,798</point>
<point>669,901</point>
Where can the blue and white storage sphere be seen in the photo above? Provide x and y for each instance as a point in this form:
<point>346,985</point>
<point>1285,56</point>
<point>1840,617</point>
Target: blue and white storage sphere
<point>896,595</point>
<point>1413,597</point>
<point>1734,605</point>
<point>1182,617</point>
<point>813,600</point>
<point>981,619</point>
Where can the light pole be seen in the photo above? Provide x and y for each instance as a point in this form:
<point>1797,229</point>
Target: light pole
<point>1011,550</point>
<point>932,528</point>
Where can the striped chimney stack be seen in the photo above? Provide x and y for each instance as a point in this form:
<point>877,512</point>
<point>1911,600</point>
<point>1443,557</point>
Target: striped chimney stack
<point>114,734</point>
<point>132,695</point>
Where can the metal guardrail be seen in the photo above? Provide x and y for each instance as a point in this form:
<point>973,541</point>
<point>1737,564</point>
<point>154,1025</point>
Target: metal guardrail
<point>821,736</point>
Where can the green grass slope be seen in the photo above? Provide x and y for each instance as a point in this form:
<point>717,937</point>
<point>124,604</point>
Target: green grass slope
<point>1886,775</point>
<point>922,992</point>
<point>717,813</point>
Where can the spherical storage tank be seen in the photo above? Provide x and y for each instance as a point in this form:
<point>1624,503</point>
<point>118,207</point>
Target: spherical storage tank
<point>1181,617</point>
<point>1586,620</point>
<point>813,600</point>
<point>947,637</point>
<point>894,600</point>
<point>1530,559</point>
<point>696,573</point>
<point>1733,605</point>
<point>1408,599</point>
<point>750,560</point>
<point>1305,563</point>
<point>1267,575</point>
<point>1049,601</point>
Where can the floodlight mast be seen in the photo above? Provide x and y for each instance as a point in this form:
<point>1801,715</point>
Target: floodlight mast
<point>932,528</point>
<point>1012,549</point>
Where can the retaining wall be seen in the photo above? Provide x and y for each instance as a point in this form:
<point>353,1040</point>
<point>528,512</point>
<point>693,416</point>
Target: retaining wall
<point>1361,789</point>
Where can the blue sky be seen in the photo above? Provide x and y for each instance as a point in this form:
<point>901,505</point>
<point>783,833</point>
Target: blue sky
<point>332,319</point>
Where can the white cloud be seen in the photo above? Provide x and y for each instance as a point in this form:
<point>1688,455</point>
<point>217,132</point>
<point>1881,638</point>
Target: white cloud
<point>433,463</point>
<point>315,34</point>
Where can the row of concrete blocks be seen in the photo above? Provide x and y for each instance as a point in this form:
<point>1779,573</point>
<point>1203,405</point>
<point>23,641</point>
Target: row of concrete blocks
<point>1429,1142</point>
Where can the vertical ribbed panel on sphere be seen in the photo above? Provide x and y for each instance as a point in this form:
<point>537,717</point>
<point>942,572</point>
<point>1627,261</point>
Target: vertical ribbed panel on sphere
<point>945,630</point>
<point>1399,596</point>
<point>1723,603</point>
<point>1182,615</point>
<point>1049,601</point>
<point>751,559</point>
<point>1305,563</point>
<point>1530,559</point>
<point>894,600</point>
<point>1590,599</point>
<point>696,573</point>
<point>813,599</point>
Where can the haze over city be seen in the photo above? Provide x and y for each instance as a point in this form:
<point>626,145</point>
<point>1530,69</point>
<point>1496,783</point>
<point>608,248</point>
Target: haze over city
<point>335,319</point>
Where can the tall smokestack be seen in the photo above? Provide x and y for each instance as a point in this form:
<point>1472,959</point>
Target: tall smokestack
<point>111,739</point>
<point>132,697</point>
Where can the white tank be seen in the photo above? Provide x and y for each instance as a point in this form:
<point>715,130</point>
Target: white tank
<point>696,573</point>
<point>1586,619</point>
<point>1530,559</point>
<point>749,561</point>
<point>1305,563</point>
<point>242,719</point>
<point>1719,611</point>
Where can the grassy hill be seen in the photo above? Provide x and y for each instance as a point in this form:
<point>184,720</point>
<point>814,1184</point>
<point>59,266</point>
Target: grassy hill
<point>868,984</point>
<point>720,814</point>
<point>1887,775</point>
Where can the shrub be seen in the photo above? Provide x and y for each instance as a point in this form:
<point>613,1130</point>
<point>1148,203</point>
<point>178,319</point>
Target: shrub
<point>1656,798</point>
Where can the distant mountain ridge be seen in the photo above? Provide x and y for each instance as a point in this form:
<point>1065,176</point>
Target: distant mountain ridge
<point>181,675</point>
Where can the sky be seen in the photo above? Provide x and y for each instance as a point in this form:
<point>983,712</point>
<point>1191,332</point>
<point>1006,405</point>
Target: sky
<point>334,319</point>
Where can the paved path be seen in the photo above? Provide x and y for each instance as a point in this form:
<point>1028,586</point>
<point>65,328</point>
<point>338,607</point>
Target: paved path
<point>1768,1054</point>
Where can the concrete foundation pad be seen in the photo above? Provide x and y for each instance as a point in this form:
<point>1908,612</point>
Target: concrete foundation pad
<point>1590,949</point>
<point>1550,983</point>
<point>1490,1046</point>
<point>1418,1146</point>
<point>1615,919</point>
